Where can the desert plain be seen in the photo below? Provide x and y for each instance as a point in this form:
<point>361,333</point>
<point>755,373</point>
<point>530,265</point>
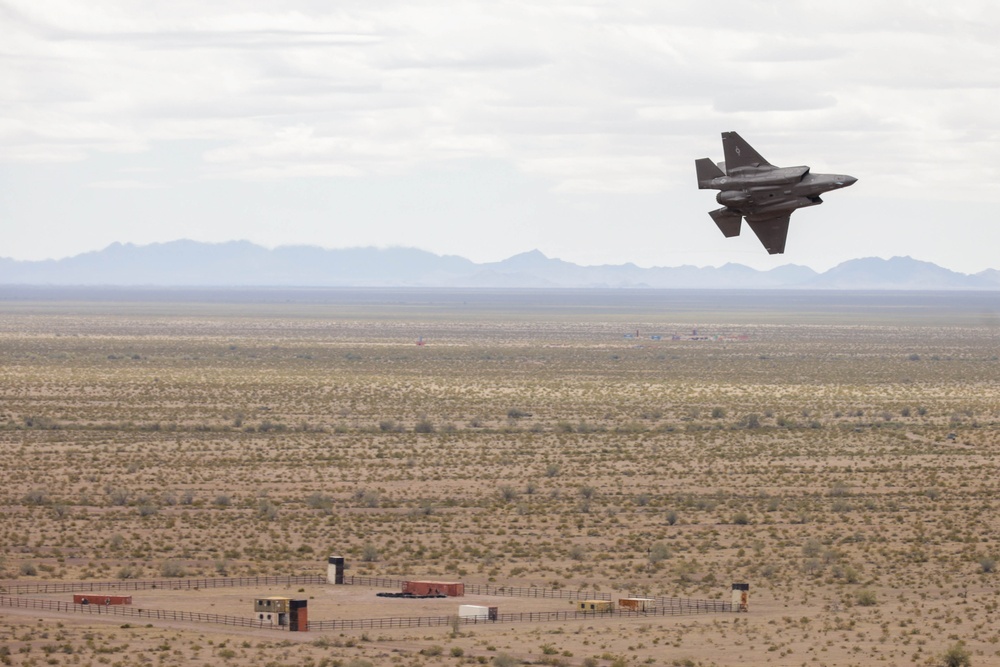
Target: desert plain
<point>836,451</point>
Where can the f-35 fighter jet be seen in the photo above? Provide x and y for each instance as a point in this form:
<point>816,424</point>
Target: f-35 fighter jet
<point>765,195</point>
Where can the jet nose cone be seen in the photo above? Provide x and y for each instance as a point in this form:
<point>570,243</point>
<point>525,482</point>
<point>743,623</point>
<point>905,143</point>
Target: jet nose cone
<point>845,181</point>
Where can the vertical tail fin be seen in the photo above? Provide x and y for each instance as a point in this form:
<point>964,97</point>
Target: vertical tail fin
<point>739,153</point>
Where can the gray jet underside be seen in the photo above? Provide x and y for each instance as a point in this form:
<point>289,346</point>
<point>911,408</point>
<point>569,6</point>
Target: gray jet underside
<point>753,189</point>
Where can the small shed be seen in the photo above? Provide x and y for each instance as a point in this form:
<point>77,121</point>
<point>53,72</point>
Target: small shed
<point>101,599</point>
<point>637,604</point>
<point>594,605</point>
<point>452,589</point>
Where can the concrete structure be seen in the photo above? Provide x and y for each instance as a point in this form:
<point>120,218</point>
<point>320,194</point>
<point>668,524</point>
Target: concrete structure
<point>273,609</point>
<point>335,570</point>
<point>595,605</point>
<point>283,612</point>
<point>741,597</point>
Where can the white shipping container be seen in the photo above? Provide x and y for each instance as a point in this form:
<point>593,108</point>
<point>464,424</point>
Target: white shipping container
<point>473,611</point>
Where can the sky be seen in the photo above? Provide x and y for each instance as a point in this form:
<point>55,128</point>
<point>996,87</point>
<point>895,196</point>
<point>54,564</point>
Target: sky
<point>487,129</point>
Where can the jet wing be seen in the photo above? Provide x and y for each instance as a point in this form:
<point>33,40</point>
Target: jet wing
<point>771,232</point>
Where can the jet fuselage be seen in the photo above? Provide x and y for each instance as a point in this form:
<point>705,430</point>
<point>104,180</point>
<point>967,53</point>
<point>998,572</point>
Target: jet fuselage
<point>765,195</point>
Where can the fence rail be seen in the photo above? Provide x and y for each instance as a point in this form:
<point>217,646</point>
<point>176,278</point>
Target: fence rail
<point>163,584</point>
<point>123,610</point>
<point>663,606</point>
<point>488,589</point>
<point>688,608</point>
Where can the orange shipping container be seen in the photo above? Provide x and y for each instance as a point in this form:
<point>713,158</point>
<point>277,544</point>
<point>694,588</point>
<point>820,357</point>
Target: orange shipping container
<point>452,589</point>
<point>101,599</point>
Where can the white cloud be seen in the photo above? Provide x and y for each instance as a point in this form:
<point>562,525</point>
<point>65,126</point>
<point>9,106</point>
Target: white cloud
<point>578,97</point>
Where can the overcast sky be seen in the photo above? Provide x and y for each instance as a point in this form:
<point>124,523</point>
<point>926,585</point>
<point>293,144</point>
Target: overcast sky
<point>485,129</point>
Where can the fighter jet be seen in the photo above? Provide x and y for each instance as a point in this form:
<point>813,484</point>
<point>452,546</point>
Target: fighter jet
<point>765,195</point>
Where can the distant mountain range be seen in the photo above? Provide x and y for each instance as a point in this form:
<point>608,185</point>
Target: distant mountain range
<point>241,263</point>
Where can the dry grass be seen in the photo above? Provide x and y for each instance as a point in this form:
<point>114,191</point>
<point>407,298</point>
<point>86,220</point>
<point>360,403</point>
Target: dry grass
<point>844,462</point>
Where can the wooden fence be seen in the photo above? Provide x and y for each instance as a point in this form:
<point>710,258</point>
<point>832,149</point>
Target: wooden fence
<point>662,606</point>
<point>162,584</point>
<point>689,607</point>
<point>488,589</point>
<point>124,610</point>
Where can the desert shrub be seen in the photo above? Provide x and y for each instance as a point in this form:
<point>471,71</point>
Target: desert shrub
<point>432,650</point>
<point>426,508</point>
<point>741,519</point>
<point>457,651</point>
<point>811,547</point>
<point>45,423</point>
<point>148,510</point>
<point>319,501</point>
<point>508,493</point>
<point>505,660</point>
<point>424,426</point>
<point>752,420</point>
<point>117,497</point>
<point>35,497</point>
<point>847,573</point>
<point>517,413</point>
<point>671,517</point>
<point>658,553</point>
<point>956,656</point>
<point>866,598</point>
<point>267,510</point>
<point>171,568</point>
<point>718,413</point>
<point>28,569</point>
<point>987,565</point>
<point>369,553</point>
<point>839,490</point>
<point>552,470</point>
<point>812,566</point>
<point>223,500</point>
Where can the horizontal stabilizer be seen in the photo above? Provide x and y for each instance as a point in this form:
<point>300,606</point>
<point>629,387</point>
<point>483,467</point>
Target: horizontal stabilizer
<point>771,232</point>
<point>706,172</point>
<point>727,220</point>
